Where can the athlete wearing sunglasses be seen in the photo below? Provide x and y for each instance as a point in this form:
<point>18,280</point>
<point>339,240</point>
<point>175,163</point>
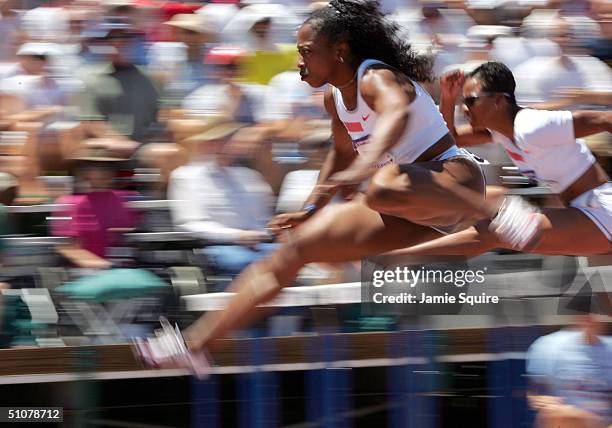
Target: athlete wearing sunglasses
<point>543,144</point>
<point>469,100</point>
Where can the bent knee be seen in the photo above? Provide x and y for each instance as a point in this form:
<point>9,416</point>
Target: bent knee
<point>291,255</point>
<point>378,197</point>
<point>382,190</point>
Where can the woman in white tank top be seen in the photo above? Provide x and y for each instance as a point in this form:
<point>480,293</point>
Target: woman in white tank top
<point>386,130</point>
<point>544,145</point>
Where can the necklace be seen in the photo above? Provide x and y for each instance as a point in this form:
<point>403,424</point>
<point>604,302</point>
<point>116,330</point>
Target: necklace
<point>347,84</point>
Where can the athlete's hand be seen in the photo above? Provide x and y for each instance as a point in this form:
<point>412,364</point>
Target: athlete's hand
<point>285,221</point>
<point>352,176</point>
<point>348,192</point>
<point>250,238</point>
<point>451,84</point>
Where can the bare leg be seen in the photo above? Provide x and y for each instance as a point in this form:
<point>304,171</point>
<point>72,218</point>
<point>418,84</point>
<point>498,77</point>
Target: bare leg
<point>436,193</point>
<point>443,192</point>
<point>564,232</point>
<point>337,234</point>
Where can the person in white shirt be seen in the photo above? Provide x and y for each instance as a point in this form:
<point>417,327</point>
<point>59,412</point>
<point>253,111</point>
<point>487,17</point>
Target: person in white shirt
<point>514,51</point>
<point>224,93</point>
<point>571,78</point>
<point>31,81</point>
<point>543,144</point>
<point>570,374</point>
<point>220,203</point>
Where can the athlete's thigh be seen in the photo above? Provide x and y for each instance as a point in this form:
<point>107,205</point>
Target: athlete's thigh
<point>456,171</point>
<point>569,231</point>
<point>437,192</point>
<point>350,231</point>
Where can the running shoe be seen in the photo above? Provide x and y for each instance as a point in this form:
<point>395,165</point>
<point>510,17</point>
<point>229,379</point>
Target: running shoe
<point>516,222</point>
<point>168,349</point>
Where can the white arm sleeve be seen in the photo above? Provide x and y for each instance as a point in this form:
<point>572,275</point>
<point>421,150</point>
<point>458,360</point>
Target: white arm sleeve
<point>544,128</point>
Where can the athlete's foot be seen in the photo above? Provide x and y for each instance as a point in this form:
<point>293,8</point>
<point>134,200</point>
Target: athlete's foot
<point>169,350</point>
<point>517,223</point>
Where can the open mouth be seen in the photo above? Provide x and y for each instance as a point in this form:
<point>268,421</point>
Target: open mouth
<point>303,73</point>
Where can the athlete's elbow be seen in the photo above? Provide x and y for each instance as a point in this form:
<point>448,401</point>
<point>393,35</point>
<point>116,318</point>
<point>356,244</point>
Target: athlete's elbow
<point>604,120</point>
<point>403,114</point>
<point>589,122</point>
<point>401,119</point>
<point>397,113</point>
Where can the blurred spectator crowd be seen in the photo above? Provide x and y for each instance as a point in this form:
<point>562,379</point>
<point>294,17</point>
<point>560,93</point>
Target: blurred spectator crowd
<point>137,123</point>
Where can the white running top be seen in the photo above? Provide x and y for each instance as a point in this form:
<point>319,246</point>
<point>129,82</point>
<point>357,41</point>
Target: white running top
<point>425,126</point>
<point>546,148</point>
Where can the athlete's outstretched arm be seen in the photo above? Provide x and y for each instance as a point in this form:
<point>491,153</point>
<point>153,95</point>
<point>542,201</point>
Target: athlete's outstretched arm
<point>340,156</point>
<point>591,122</point>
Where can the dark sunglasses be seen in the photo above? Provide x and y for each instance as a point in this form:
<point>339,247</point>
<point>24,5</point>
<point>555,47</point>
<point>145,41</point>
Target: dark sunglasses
<point>470,100</point>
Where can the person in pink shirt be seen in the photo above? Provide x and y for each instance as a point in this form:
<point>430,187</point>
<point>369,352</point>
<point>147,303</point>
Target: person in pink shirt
<point>95,215</point>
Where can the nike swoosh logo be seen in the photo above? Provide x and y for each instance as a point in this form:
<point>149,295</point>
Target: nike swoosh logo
<point>365,118</point>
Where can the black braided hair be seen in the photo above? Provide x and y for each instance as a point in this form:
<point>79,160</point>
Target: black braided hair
<point>370,35</point>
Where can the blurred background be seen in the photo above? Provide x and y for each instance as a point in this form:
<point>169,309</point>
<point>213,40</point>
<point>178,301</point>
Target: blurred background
<point>144,146</point>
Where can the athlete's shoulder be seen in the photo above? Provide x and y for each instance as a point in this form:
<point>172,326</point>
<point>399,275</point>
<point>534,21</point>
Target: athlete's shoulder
<point>533,123</point>
<point>329,100</point>
<point>381,80</point>
<point>383,73</point>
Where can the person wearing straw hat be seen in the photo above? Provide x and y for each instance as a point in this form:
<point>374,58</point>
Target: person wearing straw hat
<point>220,202</point>
<point>95,213</point>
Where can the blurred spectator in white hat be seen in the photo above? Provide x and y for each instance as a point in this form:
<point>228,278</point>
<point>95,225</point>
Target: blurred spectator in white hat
<point>180,64</point>
<point>46,24</point>
<point>30,79</point>
<point>219,15</point>
<point>267,32</point>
